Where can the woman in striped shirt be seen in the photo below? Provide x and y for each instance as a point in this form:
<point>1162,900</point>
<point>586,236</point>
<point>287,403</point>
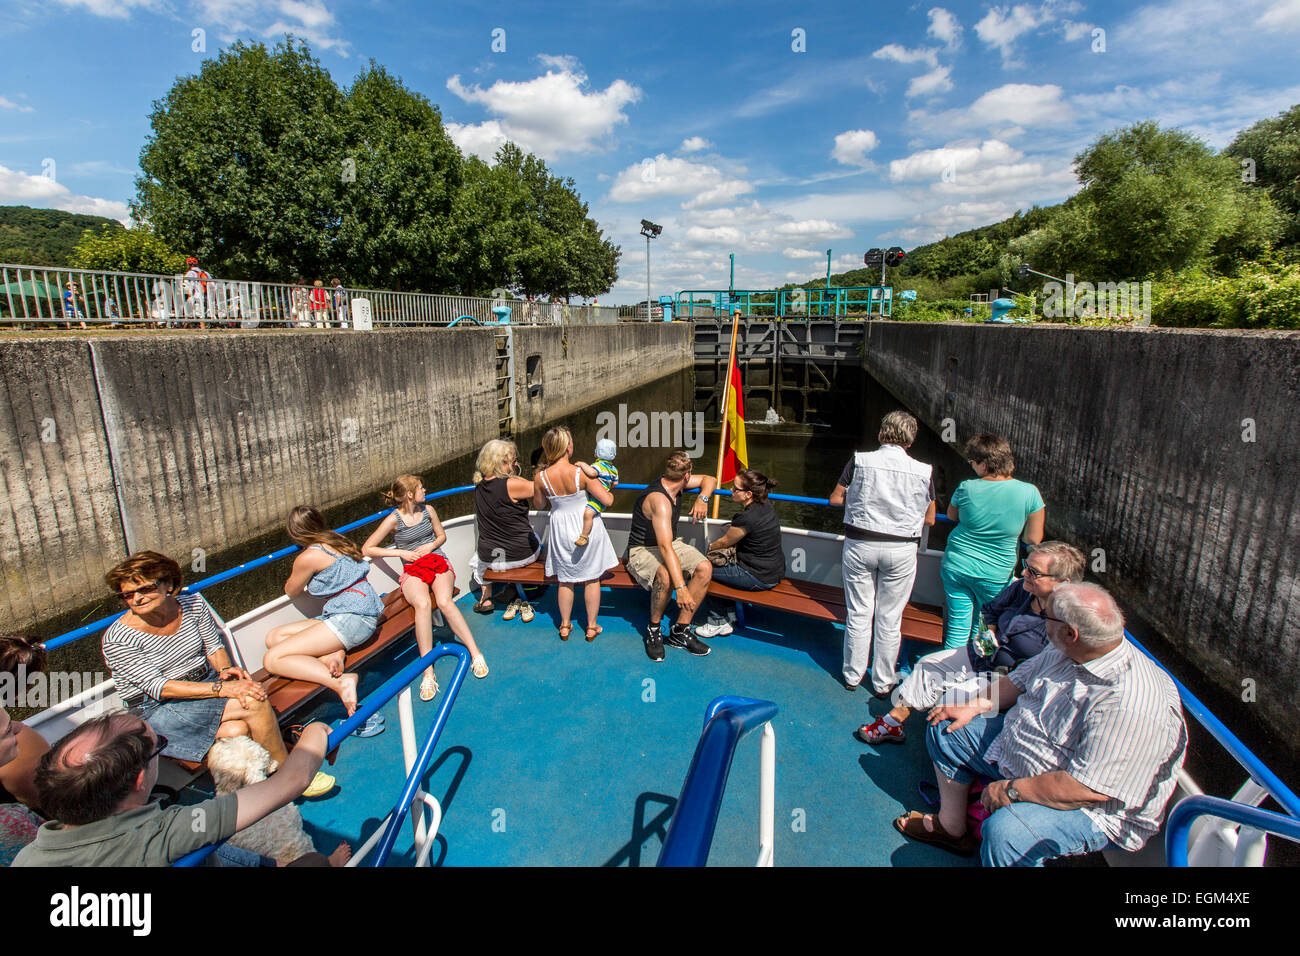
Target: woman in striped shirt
<point>172,669</point>
<point>426,572</point>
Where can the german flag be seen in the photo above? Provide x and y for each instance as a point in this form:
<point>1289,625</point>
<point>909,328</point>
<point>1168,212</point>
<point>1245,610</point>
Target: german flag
<point>735,457</point>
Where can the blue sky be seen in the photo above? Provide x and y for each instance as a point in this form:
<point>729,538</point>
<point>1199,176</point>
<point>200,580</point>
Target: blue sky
<point>774,131</point>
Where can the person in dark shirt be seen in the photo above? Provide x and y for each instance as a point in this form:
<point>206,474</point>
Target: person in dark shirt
<point>755,533</point>
<point>1017,631</point>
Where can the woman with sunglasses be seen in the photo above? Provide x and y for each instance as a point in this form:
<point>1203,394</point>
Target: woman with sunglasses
<point>505,536</point>
<point>173,671</point>
<point>1016,630</point>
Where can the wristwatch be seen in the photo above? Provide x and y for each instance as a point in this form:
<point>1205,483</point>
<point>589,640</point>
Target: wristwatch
<point>216,688</point>
<point>704,499</point>
<point>1012,793</point>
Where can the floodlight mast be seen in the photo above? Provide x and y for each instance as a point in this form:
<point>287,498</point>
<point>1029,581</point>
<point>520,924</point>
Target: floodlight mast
<point>651,231</point>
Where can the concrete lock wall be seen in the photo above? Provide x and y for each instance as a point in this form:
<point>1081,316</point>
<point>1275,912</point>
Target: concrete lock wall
<point>1176,453</point>
<point>178,441</point>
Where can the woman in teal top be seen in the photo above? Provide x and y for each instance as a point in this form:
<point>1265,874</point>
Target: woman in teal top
<point>991,512</point>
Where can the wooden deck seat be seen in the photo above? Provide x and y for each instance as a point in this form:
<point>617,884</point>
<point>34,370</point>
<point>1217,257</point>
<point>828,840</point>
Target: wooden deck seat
<point>823,602</point>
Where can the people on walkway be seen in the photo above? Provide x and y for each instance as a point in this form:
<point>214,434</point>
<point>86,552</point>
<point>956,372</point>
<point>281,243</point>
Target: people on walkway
<point>320,305</point>
<point>1016,630</point>
<point>97,781</point>
<point>195,287</point>
<point>748,556</point>
<point>427,577</point>
<point>330,566</point>
<point>993,512</point>
<point>888,500</point>
<point>568,489</point>
<point>661,562</point>
<point>1084,757</point>
<point>505,535</point>
<point>339,296</point>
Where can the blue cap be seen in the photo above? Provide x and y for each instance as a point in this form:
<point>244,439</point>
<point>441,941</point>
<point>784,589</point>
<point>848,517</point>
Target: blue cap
<point>606,449</point>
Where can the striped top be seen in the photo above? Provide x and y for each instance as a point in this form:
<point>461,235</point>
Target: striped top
<point>409,537</point>
<point>142,662</point>
<point>1114,724</point>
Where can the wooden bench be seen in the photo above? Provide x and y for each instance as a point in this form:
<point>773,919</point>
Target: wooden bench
<point>823,602</point>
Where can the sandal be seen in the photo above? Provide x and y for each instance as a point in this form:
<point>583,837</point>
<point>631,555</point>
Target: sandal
<point>525,612</point>
<point>479,666</point>
<point>484,607</point>
<point>374,725</point>
<point>565,630</point>
<point>913,825</point>
<point>429,687</point>
<point>593,632</point>
<point>581,542</point>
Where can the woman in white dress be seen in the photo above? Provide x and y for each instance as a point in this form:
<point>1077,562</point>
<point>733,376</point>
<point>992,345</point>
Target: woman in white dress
<point>566,487</point>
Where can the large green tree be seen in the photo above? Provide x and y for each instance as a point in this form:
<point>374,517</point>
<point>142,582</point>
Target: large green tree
<point>1269,152</point>
<point>245,164</point>
<point>1153,202</point>
<point>397,229</point>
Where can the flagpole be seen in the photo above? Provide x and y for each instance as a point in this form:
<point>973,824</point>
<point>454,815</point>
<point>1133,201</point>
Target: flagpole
<point>726,405</point>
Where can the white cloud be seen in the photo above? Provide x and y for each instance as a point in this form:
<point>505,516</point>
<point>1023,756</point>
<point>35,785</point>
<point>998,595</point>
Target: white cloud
<point>901,54</point>
<point>944,27</point>
<point>1283,15</point>
<point>481,140</point>
<point>673,176</point>
<point>851,147</point>
<point>1014,104</point>
<point>26,189</point>
<point>935,163</point>
<point>8,104</point>
<point>693,144</point>
<point>790,253</point>
<point>117,9</point>
<point>929,84</point>
<point>1001,26</point>
<point>1074,30</point>
<point>549,115</point>
<point>1028,181</point>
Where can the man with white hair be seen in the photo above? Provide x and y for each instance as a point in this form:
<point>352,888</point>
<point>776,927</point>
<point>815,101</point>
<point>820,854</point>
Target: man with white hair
<point>1083,759</point>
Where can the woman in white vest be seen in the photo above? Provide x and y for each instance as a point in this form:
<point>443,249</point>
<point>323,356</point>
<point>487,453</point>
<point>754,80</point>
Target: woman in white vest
<point>888,498</point>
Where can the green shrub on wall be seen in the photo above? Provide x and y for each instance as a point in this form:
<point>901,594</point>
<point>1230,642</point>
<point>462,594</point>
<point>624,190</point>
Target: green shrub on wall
<point>1256,299</point>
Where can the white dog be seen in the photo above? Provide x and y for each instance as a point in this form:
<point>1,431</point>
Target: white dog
<point>237,762</point>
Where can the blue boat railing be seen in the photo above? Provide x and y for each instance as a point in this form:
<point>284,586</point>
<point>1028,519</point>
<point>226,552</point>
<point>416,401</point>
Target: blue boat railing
<point>365,709</point>
<point>727,721</point>
<point>1179,825</point>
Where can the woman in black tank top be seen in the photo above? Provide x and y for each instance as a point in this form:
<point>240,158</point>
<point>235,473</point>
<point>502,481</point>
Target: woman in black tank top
<point>505,535</point>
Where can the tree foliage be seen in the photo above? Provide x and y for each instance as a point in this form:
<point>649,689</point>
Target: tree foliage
<point>126,250</point>
<point>262,167</point>
<point>1270,151</point>
<point>45,237</point>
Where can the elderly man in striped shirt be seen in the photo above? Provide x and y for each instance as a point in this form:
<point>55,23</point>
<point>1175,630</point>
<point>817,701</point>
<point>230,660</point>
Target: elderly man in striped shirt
<point>1084,758</point>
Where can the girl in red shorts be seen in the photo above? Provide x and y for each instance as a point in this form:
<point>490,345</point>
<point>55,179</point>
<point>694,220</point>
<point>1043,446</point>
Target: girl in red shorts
<point>427,577</point>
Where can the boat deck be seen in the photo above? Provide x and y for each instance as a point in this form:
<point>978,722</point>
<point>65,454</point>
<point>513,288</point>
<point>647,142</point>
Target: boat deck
<point>575,753</point>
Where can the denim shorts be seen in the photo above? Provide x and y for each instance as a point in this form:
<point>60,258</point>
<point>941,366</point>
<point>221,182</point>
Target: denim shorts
<point>190,726</point>
<point>352,629</point>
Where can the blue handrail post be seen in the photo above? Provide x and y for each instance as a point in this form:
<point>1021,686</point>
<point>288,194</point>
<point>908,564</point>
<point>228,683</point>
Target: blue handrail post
<point>1186,811</point>
<point>727,721</point>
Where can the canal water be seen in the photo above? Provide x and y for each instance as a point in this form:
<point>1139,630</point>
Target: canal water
<point>805,461</point>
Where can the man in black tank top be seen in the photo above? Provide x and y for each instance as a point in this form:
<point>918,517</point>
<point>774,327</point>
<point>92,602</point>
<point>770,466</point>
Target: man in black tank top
<point>660,561</point>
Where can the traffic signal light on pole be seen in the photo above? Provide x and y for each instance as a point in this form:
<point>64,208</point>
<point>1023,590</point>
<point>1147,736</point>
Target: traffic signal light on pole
<point>895,256</point>
<point>874,257</point>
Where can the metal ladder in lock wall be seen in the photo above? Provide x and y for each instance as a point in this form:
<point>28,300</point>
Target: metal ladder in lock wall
<point>504,341</point>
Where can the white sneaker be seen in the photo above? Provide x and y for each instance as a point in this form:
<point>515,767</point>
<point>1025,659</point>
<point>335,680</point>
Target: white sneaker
<point>712,630</point>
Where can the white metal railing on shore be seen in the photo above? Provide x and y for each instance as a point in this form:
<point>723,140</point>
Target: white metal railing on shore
<point>39,297</point>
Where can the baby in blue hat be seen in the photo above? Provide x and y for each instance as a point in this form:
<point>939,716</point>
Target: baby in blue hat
<point>603,468</point>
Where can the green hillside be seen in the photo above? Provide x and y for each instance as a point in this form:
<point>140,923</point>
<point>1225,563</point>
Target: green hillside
<point>44,237</point>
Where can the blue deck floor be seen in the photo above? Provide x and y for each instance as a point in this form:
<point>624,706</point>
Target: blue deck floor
<point>575,753</point>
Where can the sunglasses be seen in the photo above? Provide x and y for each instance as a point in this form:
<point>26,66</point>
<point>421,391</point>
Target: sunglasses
<point>147,589</point>
<point>158,748</point>
<point>1035,574</point>
<point>1048,617</point>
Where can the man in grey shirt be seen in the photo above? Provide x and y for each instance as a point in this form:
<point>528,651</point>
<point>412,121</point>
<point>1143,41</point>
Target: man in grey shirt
<point>95,784</point>
<point>1085,757</point>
